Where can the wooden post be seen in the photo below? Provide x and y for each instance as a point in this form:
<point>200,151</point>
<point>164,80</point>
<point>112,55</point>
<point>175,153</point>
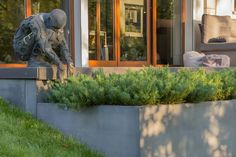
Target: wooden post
<point>28,8</point>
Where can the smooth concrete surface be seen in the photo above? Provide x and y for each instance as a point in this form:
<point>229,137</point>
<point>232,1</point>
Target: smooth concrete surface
<point>189,130</point>
<point>109,129</point>
<point>25,87</point>
<point>43,88</point>
<point>41,73</point>
<point>186,130</point>
<point>23,93</point>
<point>30,96</point>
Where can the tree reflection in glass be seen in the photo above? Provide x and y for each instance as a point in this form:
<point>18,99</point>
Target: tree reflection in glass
<point>11,13</point>
<point>101,29</point>
<point>133,30</point>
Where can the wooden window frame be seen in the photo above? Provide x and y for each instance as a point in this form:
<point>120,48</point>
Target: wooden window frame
<point>154,33</point>
<point>72,28</point>
<point>234,7</point>
<point>183,22</point>
<point>98,28</point>
<point>28,8</point>
<point>98,62</point>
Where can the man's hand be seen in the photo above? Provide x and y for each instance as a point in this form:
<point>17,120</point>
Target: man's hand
<point>61,67</point>
<point>61,71</point>
<point>70,69</point>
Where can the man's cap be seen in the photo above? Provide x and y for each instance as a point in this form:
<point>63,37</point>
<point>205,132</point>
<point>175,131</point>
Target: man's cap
<point>58,18</point>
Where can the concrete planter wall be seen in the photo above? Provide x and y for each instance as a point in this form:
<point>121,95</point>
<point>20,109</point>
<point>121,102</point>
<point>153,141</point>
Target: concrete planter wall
<point>188,130</point>
<point>24,87</point>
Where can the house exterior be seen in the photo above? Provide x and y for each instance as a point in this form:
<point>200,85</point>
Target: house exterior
<point>114,33</point>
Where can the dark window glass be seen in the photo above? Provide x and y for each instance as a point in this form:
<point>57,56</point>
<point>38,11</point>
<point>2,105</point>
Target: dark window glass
<point>11,14</point>
<point>92,5</point>
<point>133,41</point>
<point>39,6</point>
<point>169,38</point>
<point>101,30</point>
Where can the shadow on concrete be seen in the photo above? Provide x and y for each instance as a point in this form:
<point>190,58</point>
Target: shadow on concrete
<point>191,130</point>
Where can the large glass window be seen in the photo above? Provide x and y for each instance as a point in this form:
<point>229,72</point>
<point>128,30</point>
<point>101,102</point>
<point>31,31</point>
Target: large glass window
<point>117,32</point>
<point>120,31</point>
<point>169,32</point>
<point>11,14</point>
<point>39,6</point>
<point>101,30</point>
<point>133,40</point>
<point>92,7</point>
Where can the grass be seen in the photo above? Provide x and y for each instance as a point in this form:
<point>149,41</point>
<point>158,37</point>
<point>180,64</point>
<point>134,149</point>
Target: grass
<point>23,136</point>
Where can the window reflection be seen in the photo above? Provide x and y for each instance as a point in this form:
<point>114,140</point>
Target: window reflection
<point>101,30</point>
<point>39,6</point>
<point>133,30</point>
<point>169,29</point>
<point>106,31</point>
<point>92,4</point>
<point>11,13</point>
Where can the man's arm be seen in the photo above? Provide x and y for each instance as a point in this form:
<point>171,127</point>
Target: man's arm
<point>67,56</point>
<point>38,28</point>
<point>49,53</point>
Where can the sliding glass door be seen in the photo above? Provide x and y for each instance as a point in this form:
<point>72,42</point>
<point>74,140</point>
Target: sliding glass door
<point>135,32</point>
<point>118,32</point>
<point>101,32</point>
<point>169,30</point>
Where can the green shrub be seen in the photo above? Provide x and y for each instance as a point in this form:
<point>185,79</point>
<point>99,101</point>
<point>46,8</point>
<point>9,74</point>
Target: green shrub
<point>149,86</point>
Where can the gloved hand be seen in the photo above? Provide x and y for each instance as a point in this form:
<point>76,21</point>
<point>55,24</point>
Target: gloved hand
<point>61,67</point>
<point>61,71</point>
<point>70,69</point>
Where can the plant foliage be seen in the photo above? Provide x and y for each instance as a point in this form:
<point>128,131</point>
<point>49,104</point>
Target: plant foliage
<point>149,86</point>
